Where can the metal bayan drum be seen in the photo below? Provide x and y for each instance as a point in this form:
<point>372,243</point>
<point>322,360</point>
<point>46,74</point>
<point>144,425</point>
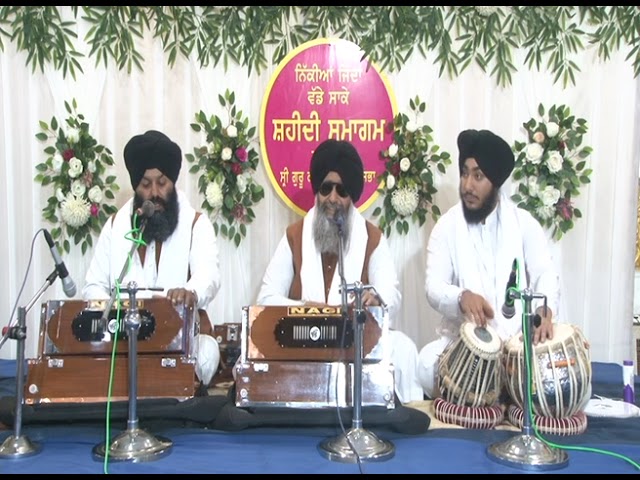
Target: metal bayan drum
<point>561,372</point>
<point>470,369</point>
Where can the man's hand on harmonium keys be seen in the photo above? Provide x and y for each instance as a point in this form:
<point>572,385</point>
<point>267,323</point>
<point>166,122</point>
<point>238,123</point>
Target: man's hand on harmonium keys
<point>179,296</point>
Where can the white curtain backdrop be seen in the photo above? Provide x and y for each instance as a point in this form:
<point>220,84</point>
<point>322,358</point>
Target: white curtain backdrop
<point>595,259</point>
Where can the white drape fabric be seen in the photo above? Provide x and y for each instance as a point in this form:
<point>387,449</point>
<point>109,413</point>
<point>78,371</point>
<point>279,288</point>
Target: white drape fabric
<point>596,258</point>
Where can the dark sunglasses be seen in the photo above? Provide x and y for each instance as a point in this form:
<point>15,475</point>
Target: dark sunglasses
<point>327,187</point>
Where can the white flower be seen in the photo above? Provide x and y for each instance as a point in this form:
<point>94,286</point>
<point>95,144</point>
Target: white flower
<point>60,195</point>
<point>411,126</point>
<point>213,194</point>
<point>91,166</point>
<point>391,181</point>
<point>405,163</point>
<point>550,195</point>
<point>393,150</point>
<point>554,162</point>
<point>57,162</point>
<point>72,134</point>
<point>546,211</point>
<point>534,152</point>
<point>78,188</point>
<point>211,148</point>
<point>95,194</point>
<point>241,183</point>
<point>232,131</point>
<point>226,153</point>
<point>75,167</point>
<point>532,184</point>
<point>552,129</point>
<point>75,211</point>
<point>404,201</point>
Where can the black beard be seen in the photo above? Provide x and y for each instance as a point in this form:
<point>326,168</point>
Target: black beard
<point>479,215</point>
<point>162,223</point>
<point>325,229</point>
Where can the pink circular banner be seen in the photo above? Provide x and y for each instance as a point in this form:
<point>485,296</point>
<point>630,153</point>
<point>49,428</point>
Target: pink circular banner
<point>323,89</point>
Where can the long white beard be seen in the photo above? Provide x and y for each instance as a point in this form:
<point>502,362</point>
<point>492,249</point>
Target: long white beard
<point>325,229</point>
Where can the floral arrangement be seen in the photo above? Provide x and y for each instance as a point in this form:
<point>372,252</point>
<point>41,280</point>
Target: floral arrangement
<point>226,164</point>
<point>75,168</point>
<point>408,182</point>
<point>550,168</point>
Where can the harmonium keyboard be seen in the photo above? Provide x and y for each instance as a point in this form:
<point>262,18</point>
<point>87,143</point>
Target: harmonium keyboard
<point>298,356</point>
<point>80,353</point>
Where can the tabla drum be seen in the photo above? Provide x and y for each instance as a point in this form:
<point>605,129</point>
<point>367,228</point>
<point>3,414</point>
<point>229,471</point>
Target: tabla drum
<point>470,369</point>
<point>560,374</point>
<point>470,379</point>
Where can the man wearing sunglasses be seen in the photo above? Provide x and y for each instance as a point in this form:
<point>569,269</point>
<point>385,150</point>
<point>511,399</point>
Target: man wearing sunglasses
<point>304,268</point>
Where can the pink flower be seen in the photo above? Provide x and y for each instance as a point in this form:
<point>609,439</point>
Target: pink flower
<point>565,208</point>
<point>94,209</point>
<point>238,211</point>
<point>241,153</point>
<point>395,169</point>
<point>68,154</point>
<point>538,137</point>
<point>236,168</point>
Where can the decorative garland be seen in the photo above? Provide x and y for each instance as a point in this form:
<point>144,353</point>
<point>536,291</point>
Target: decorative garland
<point>456,36</point>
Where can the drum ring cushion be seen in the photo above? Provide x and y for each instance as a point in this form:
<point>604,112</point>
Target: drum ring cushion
<point>572,425</point>
<point>468,417</point>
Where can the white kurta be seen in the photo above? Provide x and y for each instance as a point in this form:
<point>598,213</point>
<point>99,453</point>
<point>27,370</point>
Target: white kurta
<point>188,259</point>
<point>187,251</point>
<point>479,258</point>
<point>279,275</point>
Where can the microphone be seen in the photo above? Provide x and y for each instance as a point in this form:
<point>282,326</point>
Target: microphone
<point>338,219</point>
<point>508,308</point>
<point>146,210</point>
<point>68,285</point>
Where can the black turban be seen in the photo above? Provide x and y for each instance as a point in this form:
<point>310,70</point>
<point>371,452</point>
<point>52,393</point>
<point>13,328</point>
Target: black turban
<point>152,149</point>
<point>493,155</point>
<point>341,157</point>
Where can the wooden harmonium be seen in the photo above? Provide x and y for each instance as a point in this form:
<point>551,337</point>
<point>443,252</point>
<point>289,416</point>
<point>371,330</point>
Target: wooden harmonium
<point>311,333</point>
<point>304,357</point>
<point>76,345</point>
<point>228,337</point>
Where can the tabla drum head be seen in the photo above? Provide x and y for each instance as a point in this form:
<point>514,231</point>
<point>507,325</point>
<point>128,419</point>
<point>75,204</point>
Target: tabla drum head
<point>484,341</point>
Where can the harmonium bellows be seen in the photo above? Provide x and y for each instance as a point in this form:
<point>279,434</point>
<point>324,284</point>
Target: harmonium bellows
<point>76,345</point>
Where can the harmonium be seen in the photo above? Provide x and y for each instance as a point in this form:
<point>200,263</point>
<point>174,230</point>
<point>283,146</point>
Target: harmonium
<point>84,358</point>
<point>299,356</point>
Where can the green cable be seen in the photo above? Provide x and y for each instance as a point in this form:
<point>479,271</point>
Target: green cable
<point>134,236</point>
<point>530,413</point>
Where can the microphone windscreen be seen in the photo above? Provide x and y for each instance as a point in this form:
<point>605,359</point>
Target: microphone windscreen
<point>147,209</point>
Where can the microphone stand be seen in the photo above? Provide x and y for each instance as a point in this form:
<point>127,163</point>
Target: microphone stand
<point>19,445</point>
<point>114,291</point>
<point>526,451</point>
<point>134,443</point>
<point>356,444</point>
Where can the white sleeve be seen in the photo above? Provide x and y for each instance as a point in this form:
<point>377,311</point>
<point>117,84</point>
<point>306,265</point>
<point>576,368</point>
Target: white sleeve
<point>384,278</point>
<point>97,283</point>
<point>542,273</point>
<point>277,279</point>
<point>441,284</point>
<point>203,262</point>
